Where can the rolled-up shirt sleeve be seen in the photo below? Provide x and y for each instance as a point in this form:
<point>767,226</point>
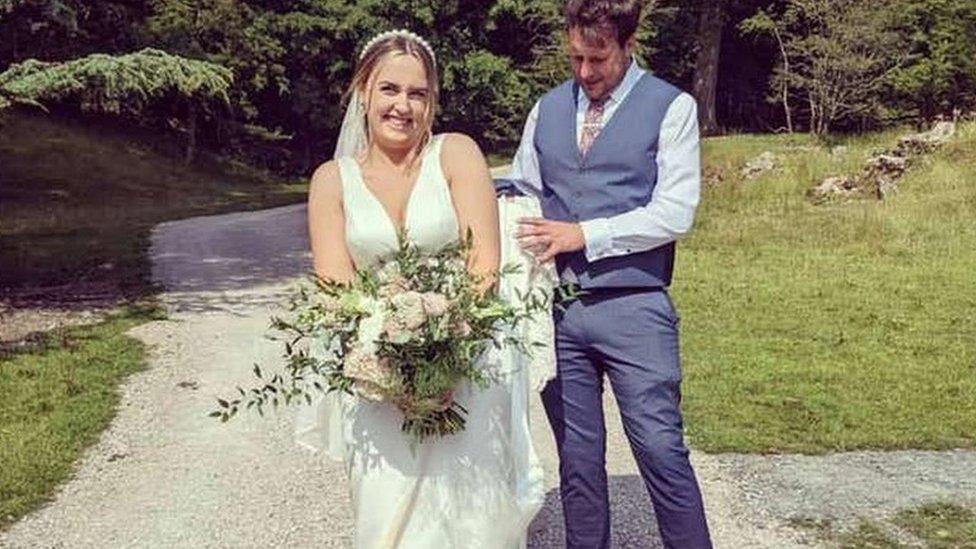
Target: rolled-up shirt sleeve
<point>671,211</point>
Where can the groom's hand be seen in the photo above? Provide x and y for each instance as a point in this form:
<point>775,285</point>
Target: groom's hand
<point>545,239</point>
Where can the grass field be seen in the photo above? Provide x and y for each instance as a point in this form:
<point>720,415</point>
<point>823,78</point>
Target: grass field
<point>55,400</point>
<point>837,327</point>
<point>77,202</point>
<point>937,525</point>
<point>76,206</point>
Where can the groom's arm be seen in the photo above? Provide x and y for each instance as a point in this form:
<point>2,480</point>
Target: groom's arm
<point>670,213</point>
<point>524,173</point>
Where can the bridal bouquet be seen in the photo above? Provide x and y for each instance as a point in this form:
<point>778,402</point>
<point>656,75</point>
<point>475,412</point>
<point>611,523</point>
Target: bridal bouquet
<point>406,334</point>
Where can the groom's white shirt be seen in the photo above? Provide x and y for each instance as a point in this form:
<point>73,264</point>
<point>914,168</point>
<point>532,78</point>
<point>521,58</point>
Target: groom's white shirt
<point>671,210</point>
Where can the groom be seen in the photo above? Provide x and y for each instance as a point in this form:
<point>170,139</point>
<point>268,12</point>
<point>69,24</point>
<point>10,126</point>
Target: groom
<point>614,157</point>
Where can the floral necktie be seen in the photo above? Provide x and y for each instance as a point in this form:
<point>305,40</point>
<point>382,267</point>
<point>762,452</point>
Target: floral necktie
<point>592,124</point>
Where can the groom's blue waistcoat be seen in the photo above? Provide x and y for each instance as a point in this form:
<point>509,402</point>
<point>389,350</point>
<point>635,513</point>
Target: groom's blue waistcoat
<point>617,175</point>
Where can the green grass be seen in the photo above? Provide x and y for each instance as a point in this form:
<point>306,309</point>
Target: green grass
<point>496,160</point>
<point>867,535</point>
<point>941,525</point>
<point>836,327</point>
<point>54,402</point>
<point>934,526</point>
<point>77,201</point>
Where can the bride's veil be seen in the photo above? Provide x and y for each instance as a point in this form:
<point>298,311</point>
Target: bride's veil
<point>352,134</point>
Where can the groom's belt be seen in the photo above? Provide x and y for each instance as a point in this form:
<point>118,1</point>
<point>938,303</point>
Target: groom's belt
<point>568,291</point>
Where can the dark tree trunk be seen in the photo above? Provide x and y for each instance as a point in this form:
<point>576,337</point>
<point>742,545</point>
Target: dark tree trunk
<point>305,137</point>
<point>191,132</point>
<point>220,130</point>
<point>706,66</point>
<point>786,79</point>
<point>306,155</point>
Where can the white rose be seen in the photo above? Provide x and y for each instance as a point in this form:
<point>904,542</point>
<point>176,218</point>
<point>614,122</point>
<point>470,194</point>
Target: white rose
<point>389,271</point>
<point>396,332</point>
<point>408,310</point>
<point>435,304</point>
<point>363,366</point>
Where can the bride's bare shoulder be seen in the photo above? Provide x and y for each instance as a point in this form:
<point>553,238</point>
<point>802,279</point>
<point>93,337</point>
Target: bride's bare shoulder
<point>461,156</point>
<point>325,183</point>
<point>459,143</point>
<point>327,174</point>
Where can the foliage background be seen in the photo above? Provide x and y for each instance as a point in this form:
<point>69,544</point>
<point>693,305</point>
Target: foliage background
<point>852,65</point>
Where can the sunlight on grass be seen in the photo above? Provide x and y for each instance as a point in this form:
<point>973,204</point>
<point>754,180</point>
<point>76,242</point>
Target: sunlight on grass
<point>941,525</point>
<point>55,401</point>
<point>868,535</point>
<point>937,525</point>
<point>837,327</point>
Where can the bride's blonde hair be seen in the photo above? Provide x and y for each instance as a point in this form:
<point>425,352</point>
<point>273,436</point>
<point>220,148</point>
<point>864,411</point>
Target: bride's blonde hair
<point>397,44</point>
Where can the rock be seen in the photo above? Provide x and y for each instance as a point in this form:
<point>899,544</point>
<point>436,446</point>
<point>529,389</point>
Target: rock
<point>759,165</point>
<point>884,185</point>
<point>879,177</point>
<point>924,142</point>
<point>712,177</point>
<point>881,174</point>
<point>888,164</point>
<point>834,187</point>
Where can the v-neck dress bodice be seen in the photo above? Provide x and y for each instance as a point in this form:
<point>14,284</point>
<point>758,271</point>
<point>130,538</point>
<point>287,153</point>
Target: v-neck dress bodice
<point>430,221</point>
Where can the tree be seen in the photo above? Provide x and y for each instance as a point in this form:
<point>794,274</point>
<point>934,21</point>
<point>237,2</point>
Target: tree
<point>51,30</point>
<point>667,41</point>
<point>229,33</point>
<point>711,23</point>
<point>826,64</point>
<point>683,42</point>
<point>940,76</point>
<point>763,24</point>
<point>841,56</point>
<point>123,84</point>
<point>495,58</point>
<point>294,59</point>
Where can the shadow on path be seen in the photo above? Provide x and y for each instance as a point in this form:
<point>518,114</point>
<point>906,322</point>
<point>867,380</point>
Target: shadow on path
<point>216,262</point>
<point>632,518</point>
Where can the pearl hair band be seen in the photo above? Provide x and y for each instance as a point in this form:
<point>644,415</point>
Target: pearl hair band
<point>394,33</point>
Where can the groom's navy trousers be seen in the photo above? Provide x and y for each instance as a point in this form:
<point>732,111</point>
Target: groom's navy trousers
<point>631,337</point>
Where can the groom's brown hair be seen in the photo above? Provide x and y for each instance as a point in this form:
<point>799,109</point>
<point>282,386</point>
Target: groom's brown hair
<point>594,17</point>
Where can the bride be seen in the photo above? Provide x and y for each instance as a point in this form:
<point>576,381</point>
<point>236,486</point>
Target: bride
<point>392,176</point>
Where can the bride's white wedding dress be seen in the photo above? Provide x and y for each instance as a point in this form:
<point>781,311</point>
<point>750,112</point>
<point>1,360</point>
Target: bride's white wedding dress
<point>479,488</point>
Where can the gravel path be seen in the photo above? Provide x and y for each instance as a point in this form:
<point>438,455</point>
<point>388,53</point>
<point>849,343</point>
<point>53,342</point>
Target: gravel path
<point>165,475</point>
<point>848,486</point>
